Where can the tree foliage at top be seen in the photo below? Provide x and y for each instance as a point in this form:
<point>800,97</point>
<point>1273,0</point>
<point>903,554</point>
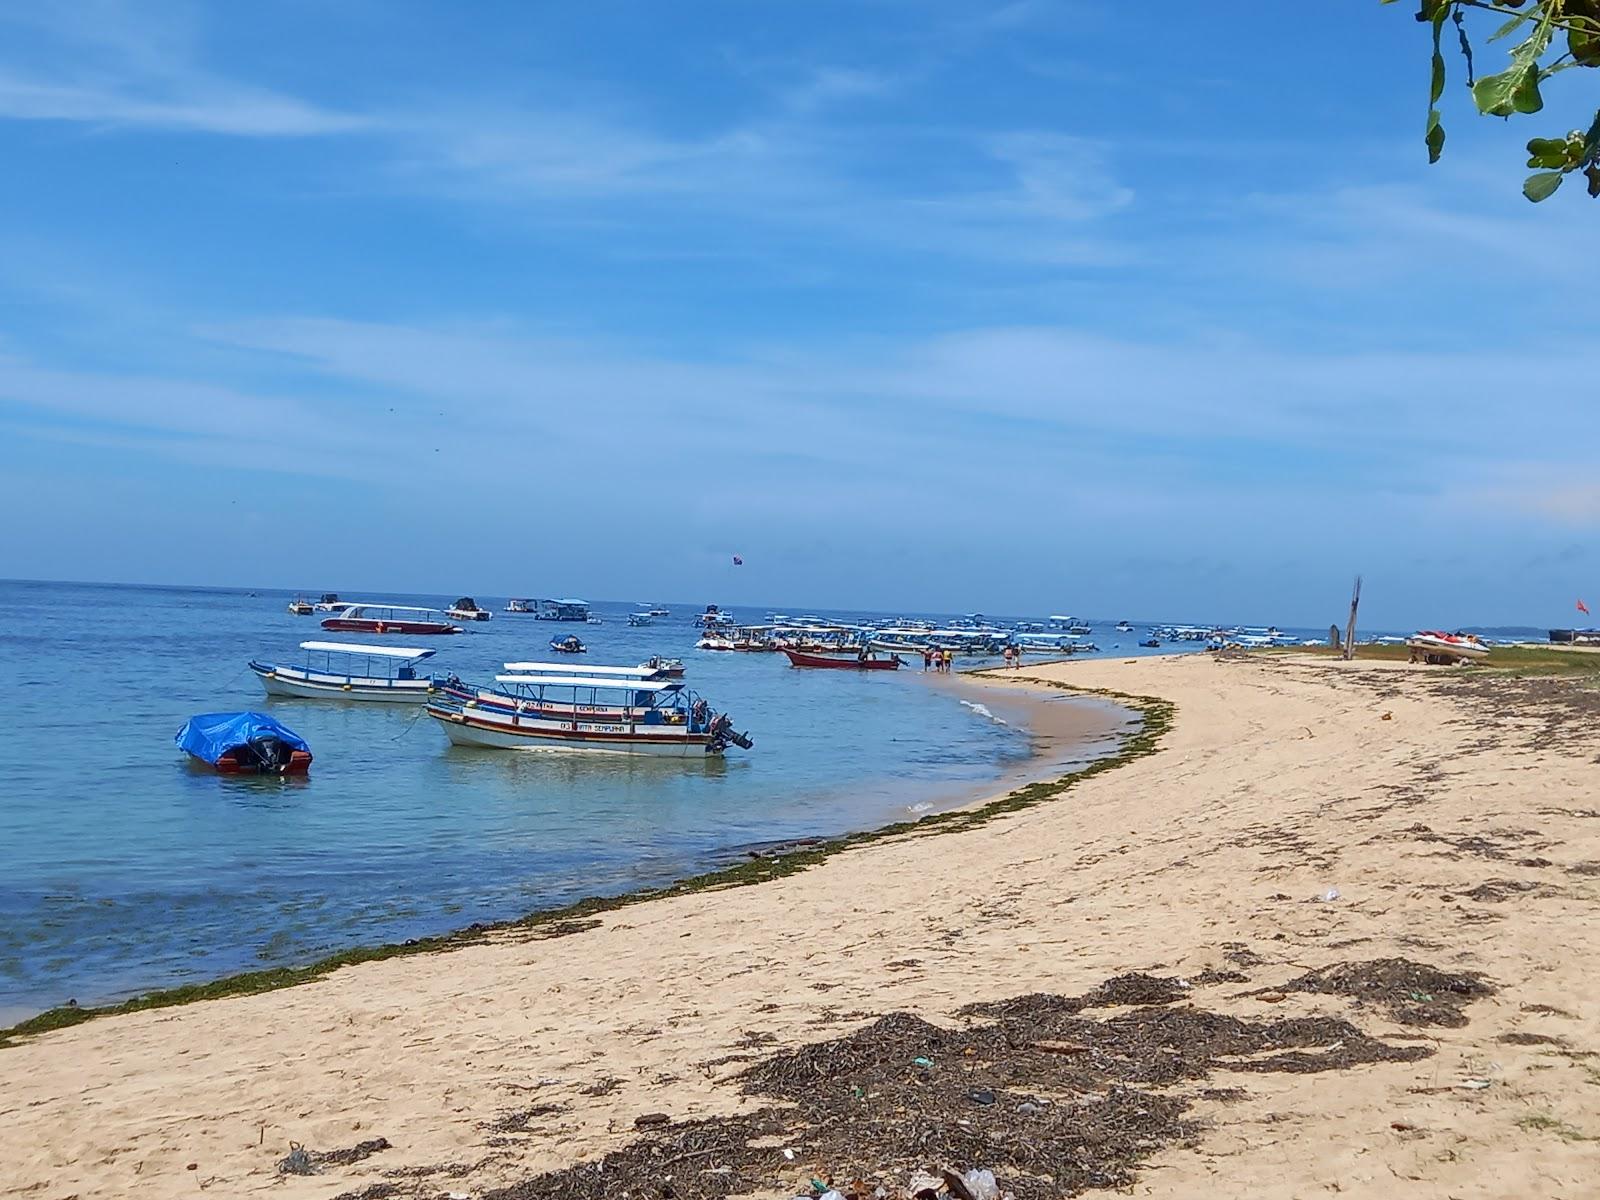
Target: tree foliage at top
<point>1555,35</point>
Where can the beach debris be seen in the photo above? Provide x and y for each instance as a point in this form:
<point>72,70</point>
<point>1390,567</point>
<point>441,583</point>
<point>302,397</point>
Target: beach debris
<point>1473,1085</point>
<point>850,1105</point>
<point>1271,997</point>
<point>297,1162</point>
<point>1410,992</point>
<point>653,1120</point>
<point>921,1061</point>
<point>1329,896</point>
<point>981,1096</point>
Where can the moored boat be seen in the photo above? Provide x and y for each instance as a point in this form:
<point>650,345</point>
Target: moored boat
<point>328,602</point>
<point>520,606</point>
<point>588,713</point>
<point>301,607</point>
<point>568,645</point>
<point>466,609</point>
<point>640,618</point>
<point>864,660</point>
<point>350,671</point>
<point>664,668</point>
<point>244,743</point>
<point>561,610</point>
<point>715,641</point>
<point>388,618</point>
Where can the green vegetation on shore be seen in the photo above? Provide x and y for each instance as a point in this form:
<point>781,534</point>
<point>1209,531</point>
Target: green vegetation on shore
<point>1157,717</point>
<point>1520,659</point>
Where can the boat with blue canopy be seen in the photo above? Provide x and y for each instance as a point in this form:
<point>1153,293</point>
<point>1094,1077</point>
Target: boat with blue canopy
<point>350,671</point>
<point>244,743</point>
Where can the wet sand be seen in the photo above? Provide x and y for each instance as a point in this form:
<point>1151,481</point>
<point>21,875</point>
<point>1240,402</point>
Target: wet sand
<point>1302,820</point>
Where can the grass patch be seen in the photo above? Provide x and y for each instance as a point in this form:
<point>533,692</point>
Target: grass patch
<point>1520,660</point>
<point>1157,714</point>
<point>1545,1123</point>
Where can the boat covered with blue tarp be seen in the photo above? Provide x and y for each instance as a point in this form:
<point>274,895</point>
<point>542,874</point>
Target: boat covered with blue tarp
<point>245,742</point>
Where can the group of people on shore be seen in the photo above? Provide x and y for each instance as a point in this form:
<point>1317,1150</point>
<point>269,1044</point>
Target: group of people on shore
<point>937,661</point>
<point>1012,656</point>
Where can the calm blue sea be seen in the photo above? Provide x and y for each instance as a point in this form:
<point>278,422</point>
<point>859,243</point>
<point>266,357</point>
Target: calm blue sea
<point>122,868</point>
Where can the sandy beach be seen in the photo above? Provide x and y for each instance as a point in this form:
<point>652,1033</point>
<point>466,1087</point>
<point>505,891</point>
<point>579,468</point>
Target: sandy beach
<point>1301,819</point>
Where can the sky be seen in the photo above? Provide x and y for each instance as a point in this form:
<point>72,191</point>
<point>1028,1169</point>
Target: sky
<point>923,305</point>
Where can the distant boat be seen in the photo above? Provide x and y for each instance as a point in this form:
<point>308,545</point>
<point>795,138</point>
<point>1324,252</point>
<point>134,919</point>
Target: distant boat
<point>244,743</point>
<point>616,714</point>
<point>1124,627</point>
<point>328,602</point>
<point>715,641</point>
<point>466,609</point>
<point>301,607</point>
<point>561,610</point>
<point>568,645</point>
<point>665,668</point>
<point>388,618</point>
<point>350,671</point>
<point>660,612</point>
<point>521,606</point>
<point>640,618</point>
<point>866,660</point>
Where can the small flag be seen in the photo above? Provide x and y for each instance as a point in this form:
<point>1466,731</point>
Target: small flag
<point>739,562</point>
<point>1582,607</point>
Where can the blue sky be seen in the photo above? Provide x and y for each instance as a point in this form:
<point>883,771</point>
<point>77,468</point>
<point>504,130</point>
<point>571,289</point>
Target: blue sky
<point>924,305</point>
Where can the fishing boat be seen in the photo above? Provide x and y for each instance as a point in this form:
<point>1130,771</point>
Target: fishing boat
<point>715,641</point>
<point>1433,645</point>
<point>639,619</point>
<point>244,743</point>
<point>328,602</point>
<point>350,671</point>
<point>301,607</point>
<point>466,609</point>
<point>568,645</point>
<point>589,713</point>
<point>664,668</point>
<point>1124,627</point>
<point>520,606</point>
<point>865,660</point>
<point>388,618</point>
<point>658,611</point>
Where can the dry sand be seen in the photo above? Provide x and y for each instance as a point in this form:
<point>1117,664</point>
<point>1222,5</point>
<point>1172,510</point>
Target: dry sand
<point>1407,789</point>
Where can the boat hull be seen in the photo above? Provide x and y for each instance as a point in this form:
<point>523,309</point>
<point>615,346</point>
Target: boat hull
<point>798,658</point>
<point>579,737</point>
<point>381,691</point>
<point>1443,648</point>
<point>364,625</point>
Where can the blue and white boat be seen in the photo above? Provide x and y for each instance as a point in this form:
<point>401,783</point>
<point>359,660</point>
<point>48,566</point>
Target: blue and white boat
<point>350,671</point>
<point>618,713</point>
<point>641,618</point>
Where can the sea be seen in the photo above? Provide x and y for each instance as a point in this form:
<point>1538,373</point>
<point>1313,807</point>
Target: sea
<point>124,868</point>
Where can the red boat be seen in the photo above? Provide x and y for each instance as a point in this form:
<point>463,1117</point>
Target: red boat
<point>867,661</point>
<point>388,618</point>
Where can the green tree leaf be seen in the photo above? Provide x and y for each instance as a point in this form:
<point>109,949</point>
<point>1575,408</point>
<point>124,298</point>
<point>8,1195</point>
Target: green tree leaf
<point>1512,91</point>
<point>1542,184</point>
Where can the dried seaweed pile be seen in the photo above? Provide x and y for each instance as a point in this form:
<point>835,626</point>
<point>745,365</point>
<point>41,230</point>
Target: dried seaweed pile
<point>1052,1100</point>
<point>1409,993</point>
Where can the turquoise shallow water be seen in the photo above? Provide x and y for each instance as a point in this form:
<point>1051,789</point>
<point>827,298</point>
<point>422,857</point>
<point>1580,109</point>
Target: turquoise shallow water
<point>122,868</point>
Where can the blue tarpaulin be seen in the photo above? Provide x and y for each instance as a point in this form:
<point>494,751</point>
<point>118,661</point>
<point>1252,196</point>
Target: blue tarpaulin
<point>211,735</point>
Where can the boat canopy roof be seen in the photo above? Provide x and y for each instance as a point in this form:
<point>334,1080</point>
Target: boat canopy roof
<point>568,668</point>
<point>405,652</point>
<point>590,681</point>
<point>364,604</point>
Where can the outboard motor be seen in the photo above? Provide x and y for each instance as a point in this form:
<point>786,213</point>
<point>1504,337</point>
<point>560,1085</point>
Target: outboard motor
<point>724,735</point>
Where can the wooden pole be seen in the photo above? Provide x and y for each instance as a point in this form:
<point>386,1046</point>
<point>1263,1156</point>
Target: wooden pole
<point>1350,629</point>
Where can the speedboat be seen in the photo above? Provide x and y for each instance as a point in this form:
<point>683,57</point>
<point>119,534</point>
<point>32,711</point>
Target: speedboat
<point>1435,645</point>
<point>715,641</point>
<point>617,713</point>
<point>664,668</point>
<point>350,671</point>
<point>301,607</point>
<point>328,602</point>
<point>466,609</point>
<point>388,618</point>
<point>640,618</point>
<point>520,606</point>
<point>1124,627</point>
<point>568,645</point>
<point>244,743</point>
